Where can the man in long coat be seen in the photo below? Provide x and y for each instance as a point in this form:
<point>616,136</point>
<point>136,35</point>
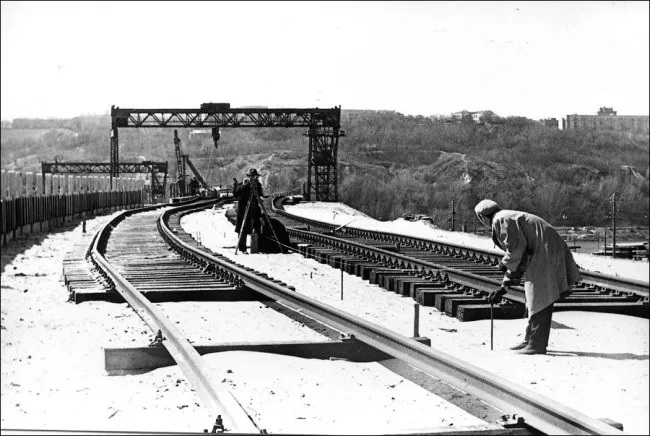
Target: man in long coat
<point>242,191</point>
<point>532,246</point>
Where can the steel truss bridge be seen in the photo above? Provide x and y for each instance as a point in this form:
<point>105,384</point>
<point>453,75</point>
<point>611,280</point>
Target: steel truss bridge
<point>323,132</point>
<point>157,170</point>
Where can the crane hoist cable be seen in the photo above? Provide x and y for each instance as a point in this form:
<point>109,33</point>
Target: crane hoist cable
<point>215,138</point>
<point>210,162</point>
<point>216,150</point>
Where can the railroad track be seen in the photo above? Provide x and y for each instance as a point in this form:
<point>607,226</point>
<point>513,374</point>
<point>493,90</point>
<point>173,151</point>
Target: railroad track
<point>131,269</point>
<point>130,253</point>
<point>453,278</point>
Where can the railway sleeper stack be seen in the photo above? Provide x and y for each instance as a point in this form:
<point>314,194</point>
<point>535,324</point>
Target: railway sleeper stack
<point>455,300</point>
<point>81,277</point>
<point>587,295</point>
<point>459,301</point>
<point>595,298</point>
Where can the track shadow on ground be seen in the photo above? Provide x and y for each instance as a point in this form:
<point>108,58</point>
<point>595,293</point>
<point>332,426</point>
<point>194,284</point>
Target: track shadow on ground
<point>613,356</point>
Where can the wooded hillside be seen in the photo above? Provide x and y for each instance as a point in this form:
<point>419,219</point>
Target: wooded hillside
<point>390,164</point>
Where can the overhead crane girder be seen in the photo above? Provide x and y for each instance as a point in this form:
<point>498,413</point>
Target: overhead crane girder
<point>145,167</point>
<point>323,130</point>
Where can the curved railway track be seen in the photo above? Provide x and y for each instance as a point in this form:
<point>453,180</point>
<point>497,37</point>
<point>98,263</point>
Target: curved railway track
<point>129,260</point>
<point>453,278</point>
<point>142,267</point>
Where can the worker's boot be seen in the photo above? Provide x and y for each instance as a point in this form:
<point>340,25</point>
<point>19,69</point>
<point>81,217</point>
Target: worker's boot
<point>532,349</point>
<point>540,328</point>
<point>519,346</point>
<point>241,245</point>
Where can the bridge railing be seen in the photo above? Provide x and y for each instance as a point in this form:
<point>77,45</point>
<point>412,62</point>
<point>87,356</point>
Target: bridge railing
<point>28,199</point>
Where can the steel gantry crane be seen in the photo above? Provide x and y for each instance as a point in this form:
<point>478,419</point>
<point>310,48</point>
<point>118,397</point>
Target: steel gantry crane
<point>324,130</point>
<point>157,170</point>
<point>181,170</point>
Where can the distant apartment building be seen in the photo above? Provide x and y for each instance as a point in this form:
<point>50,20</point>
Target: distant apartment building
<point>606,111</point>
<point>607,119</point>
<point>476,116</point>
<point>459,115</point>
<point>550,122</point>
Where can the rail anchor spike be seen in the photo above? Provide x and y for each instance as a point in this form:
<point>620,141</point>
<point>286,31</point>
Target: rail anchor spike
<point>513,421</point>
<point>218,425</point>
<point>157,341</point>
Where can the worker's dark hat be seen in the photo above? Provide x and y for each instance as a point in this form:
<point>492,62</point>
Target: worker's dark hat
<point>252,172</point>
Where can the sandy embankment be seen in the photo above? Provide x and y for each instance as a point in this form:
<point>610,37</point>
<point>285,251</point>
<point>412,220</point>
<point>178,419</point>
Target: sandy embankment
<point>53,375</point>
<point>597,363</point>
<point>52,361</point>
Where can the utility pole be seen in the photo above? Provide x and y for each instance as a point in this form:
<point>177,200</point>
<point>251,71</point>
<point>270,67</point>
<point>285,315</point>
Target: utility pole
<point>614,225</point>
<point>453,217</point>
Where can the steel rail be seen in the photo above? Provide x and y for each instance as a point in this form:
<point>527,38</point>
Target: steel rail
<point>538,411</point>
<point>218,399</point>
<point>477,282</point>
<point>397,260</point>
<point>616,283</point>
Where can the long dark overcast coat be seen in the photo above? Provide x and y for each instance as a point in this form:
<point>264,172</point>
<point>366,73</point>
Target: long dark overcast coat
<point>551,270</point>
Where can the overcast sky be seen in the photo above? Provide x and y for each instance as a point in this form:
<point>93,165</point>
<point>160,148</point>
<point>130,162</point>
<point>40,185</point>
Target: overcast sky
<point>537,59</point>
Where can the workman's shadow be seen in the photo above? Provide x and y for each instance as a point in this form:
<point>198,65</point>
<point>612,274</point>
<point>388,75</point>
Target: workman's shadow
<point>613,356</point>
<point>559,326</point>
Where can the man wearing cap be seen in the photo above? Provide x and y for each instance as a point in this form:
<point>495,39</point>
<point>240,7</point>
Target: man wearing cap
<point>532,246</point>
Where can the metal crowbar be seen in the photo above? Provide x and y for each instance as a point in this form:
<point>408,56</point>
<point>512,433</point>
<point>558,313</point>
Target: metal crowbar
<point>497,295</point>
